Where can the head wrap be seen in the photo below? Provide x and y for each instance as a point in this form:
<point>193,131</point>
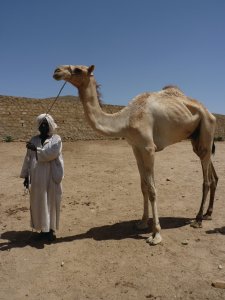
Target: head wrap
<point>51,123</point>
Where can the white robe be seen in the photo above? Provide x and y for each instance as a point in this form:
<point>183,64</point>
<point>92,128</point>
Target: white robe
<point>46,173</point>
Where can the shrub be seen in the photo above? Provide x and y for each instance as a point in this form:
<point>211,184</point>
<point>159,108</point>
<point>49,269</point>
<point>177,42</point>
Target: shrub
<point>218,139</point>
<point>8,139</point>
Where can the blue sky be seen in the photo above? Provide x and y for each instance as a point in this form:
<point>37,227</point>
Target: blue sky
<point>136,46</point>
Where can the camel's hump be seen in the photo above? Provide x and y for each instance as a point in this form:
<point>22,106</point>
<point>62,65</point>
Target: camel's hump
<point>172,90</point>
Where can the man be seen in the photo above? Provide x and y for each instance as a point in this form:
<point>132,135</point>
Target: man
<point>43,169</point>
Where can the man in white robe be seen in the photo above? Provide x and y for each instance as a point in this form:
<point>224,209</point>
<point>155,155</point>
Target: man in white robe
<point>43,168</point>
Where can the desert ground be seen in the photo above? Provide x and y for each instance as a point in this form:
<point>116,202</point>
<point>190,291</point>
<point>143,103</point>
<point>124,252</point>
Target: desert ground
<point>98,253</point>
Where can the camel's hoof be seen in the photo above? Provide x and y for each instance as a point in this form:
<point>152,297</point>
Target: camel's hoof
<point>154,239</point>
<point>196,224</point>
<point>207,217</point>
<point>142,225</point>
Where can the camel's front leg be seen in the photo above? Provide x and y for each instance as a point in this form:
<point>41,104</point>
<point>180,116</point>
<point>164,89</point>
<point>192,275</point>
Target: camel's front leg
<point>148,158</point>
<point>155,238</point>
<point>143,224</point>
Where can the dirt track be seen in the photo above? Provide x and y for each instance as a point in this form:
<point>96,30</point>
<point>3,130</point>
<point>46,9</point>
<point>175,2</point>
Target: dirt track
<point>98,253</point>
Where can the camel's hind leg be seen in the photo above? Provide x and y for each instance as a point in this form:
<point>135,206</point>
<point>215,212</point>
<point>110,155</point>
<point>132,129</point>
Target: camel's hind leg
<point>213,185</point>
<point>202,141</point>
<point>203,148</point>
<point>205,189</point>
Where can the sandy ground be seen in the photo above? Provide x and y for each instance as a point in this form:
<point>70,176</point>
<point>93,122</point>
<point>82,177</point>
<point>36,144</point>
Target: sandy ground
<point>98,253</point>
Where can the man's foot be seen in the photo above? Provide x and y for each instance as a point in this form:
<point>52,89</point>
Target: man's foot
<point>41,236</point>
<point>51,235</point>
<point>46,236</point>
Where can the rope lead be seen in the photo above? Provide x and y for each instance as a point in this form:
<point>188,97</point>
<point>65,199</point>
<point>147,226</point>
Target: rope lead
<point>56,98</point>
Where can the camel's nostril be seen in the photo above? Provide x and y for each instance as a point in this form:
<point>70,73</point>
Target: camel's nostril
<point>57,70</point>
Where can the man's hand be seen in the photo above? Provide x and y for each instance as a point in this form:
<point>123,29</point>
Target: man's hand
<point>26,182</point>
<point>31,146</point>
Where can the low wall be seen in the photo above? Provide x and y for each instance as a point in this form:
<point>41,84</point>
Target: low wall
<point>18,115</point>
<point>18,118</point>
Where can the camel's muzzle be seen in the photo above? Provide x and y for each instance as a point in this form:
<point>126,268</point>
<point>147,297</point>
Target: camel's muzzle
<point>57,76</point>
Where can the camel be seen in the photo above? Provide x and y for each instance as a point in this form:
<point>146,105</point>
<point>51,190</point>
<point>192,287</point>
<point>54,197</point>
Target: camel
<point>149,123</point>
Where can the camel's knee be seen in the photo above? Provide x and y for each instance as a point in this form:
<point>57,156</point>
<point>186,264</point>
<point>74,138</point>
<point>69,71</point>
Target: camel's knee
<point>150,149</point>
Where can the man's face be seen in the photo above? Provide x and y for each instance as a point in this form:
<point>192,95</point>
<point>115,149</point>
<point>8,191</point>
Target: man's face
<point>44,127</point>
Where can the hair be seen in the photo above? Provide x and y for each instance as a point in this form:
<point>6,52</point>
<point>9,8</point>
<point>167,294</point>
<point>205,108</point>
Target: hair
<point>172,90</point>
<point>172,87</point>
<point>99,94</point>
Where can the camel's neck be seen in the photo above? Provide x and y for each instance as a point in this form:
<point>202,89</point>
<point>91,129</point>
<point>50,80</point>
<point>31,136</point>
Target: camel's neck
<point>107,124</point>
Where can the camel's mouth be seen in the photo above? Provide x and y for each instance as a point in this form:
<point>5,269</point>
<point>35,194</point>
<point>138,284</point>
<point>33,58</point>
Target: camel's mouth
<point>57,76</point>
<point>60,74</point>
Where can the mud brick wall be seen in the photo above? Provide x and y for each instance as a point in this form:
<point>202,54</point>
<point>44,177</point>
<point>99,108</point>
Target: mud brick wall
<point>220,131</point>
<point>18,118</point>
<point>18,115</point>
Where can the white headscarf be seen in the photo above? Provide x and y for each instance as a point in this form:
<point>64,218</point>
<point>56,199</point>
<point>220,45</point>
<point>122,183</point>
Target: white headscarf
<point>51,123</point>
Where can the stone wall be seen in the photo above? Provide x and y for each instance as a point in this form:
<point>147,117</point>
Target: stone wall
<point>220,131</point>
<point>18,115</point>
<point>18,118</point>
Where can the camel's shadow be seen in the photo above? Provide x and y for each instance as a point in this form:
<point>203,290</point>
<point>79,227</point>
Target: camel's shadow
<point>220,230</point>
<point>117,231</point>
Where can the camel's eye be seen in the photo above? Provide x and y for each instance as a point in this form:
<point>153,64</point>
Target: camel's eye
<point>77,71</point>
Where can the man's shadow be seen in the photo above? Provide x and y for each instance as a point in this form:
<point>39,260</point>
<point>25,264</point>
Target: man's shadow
<point>117,231</point>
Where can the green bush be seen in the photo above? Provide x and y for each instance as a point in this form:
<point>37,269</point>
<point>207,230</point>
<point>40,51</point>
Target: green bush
<point>218,139</point>
<point>8,139</point>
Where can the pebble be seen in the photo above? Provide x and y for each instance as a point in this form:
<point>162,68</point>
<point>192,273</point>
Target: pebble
<point>219,284</point>
<point>184,242</point>
<point>220,267</point>
<point>62,263</point>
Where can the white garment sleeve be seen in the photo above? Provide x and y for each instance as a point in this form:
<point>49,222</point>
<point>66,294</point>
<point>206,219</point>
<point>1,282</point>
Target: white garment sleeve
<point>26,165</point>
<point>50,152</point>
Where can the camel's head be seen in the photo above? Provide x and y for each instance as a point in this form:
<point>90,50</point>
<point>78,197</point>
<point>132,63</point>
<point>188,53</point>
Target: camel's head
<point>76,75</point>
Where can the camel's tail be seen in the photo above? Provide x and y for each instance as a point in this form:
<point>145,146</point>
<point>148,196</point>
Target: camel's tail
<point>213,147</point>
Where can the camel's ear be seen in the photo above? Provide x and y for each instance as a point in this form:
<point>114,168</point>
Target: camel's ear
<point>91,69</point>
